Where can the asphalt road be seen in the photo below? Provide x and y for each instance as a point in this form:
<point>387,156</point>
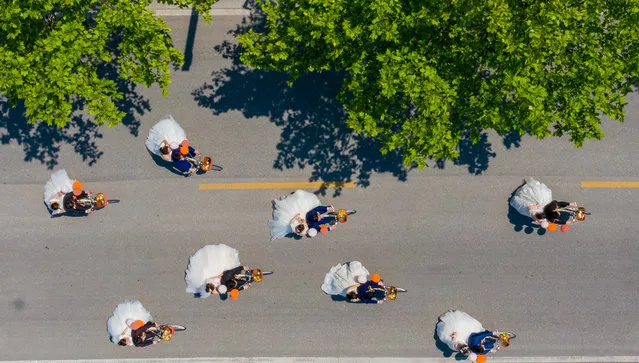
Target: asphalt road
<point>444,233</point>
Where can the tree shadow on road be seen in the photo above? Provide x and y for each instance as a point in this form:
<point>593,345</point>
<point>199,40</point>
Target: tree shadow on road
<point>313,123</point>
<point>42,142</point>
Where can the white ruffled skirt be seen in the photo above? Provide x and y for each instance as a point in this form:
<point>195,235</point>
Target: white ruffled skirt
<point>124,314</point>
<point>166,129</point>
<point>58,182</point>
<point>456,321</point>
<point>531,193</point>
<point>206,264</point>
<point>286,208</point>
<point>341,276</point>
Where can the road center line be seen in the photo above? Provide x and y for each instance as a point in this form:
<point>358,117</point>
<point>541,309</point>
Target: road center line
<point>610,184</point>
<point>276,185</point>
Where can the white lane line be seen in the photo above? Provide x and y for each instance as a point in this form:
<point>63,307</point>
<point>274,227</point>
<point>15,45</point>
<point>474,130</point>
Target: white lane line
<point>213,12</point>
<point>565,359</point>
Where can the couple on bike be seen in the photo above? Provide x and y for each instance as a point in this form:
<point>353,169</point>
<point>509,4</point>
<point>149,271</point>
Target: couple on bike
<point>216,269</point>
<point>168,141</point>
<point>131,325</point>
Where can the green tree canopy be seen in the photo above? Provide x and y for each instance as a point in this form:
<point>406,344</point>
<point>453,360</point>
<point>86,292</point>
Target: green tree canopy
<point>52,51</point>
<point>422,75</point>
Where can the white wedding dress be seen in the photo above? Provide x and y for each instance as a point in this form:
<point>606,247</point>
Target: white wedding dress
<point>460,323</point>
<point>341,276</point>
<point>206,265</point>
<point>531,193</point>
<point>59,182</point>
<point>286,208</point>
<point>166,129</point>
<point>123,315</point>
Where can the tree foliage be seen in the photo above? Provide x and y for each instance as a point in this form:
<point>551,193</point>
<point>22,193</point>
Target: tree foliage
<point>422,75</point>
<point>52,53</point>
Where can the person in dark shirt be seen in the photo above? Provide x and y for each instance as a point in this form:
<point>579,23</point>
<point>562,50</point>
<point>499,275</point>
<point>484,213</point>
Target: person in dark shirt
<point>317,217</point>
<point>235,278</point>
<point>478,344</point>
<point>77,200</point>
<point>370,292</point>
<point>180,154</point>
<point>145,335</point>
<point>552,211</point>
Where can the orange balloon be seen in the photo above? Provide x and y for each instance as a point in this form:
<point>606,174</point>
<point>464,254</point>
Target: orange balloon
<point>481,358</point>
<point>552,227</point>
<point>234,293</point>
<point>565,228</point>
<point>375,278</point>
<point>323,229</point>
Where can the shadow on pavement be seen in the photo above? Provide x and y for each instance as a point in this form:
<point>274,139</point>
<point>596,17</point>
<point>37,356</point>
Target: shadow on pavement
<point>42,142</point>
<point>313,123</point>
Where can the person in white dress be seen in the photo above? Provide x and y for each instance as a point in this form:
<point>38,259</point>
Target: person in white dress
<point>342,276</point>
<point>164,137</point>
<point>205,269</point>
<point>289,213</point>
<point>58,185</point>
<point>127,316</point>
<point>530,199</point>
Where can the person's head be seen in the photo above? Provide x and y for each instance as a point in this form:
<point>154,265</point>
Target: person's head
<point>351,295</point>
<point>312,232</point>
<point>77,188</point>
<point>184,147</point>
<point>210,287</point>
<point>222,289</point>
<point>55,205</point>
<point>165,149</point>
<point>316,217</point>
<point>299,229</point>
<point>122,342</point>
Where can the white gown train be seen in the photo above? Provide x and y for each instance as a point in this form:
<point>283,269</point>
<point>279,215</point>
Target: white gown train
<point>286,208</point>
<point>532,192</point>
<point>166,129</point>
<point>58,182</point>
<point>127,311</point>
<point>460,323</point>
<point>206,264</point>
<point>341,276</point>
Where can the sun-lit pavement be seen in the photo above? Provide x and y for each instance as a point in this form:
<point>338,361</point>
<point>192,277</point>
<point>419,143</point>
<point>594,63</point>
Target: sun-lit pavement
<point>445,234</point>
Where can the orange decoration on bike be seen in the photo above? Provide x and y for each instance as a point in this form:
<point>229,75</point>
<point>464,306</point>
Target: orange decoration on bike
<point>565,228</point>
<point>481,358</point>
<point>552,227</point>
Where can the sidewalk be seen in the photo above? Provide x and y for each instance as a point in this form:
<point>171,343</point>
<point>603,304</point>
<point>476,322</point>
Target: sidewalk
<point>220,8</point>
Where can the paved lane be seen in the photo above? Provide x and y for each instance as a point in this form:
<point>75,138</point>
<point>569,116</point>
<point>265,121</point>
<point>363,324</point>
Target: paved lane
<point>442,233</point>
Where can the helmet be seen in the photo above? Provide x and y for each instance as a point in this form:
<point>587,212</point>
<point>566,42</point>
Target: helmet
<point>342,215</point>
<point>100,200</point>
<point>206,163</point>
<point>257,275</point>
<point>581,214</point>
<point>504,339</point>
<point>392,293</point>
<point>167,333</point>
